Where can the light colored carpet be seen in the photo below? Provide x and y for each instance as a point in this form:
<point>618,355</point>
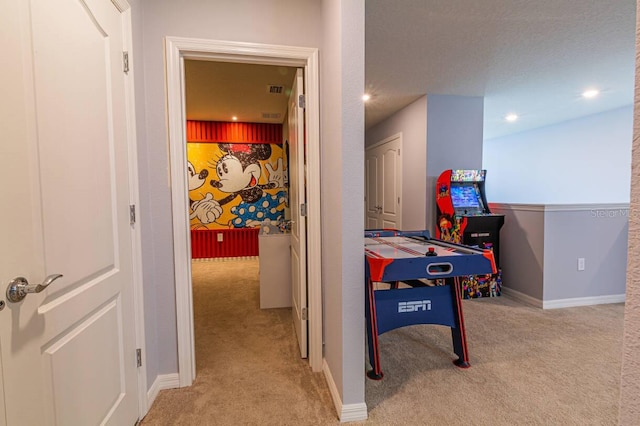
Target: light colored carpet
<point>248,368</point>
<point>528,366</point>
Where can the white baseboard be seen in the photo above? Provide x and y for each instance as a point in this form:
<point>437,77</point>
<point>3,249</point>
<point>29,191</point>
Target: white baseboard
<point>583,301</point>
<point>348,412</point>
<point>162,382</point>
<point>525,298</point>
<point>562,303</point>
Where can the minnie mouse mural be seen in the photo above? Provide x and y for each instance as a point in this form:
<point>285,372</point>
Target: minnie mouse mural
<point>238,176</point>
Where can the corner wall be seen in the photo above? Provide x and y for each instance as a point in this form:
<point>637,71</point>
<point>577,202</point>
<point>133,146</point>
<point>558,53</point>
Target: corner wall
<point>454,141</point>
<point>411,121</point>
<point>596,233</point>
<point>630,379</point>
<point>522,249</point>
<point>342,191</point>
<point>540,246</point>
<point>280,22</point>
<point>439,132</point>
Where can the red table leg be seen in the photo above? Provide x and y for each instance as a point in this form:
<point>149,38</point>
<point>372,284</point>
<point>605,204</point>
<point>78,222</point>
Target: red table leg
<point>372,333</point>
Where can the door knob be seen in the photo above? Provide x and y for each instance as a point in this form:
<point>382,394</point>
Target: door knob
<point>19,287</point>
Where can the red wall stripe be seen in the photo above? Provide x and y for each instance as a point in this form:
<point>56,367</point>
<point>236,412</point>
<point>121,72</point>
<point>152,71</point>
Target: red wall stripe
<point>238,242</point>
<point>218,131</point>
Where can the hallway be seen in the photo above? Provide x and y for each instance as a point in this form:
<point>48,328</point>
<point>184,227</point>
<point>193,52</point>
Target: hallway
<point>248,368</point>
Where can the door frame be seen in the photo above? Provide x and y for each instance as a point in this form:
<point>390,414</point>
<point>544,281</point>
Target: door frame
<point>134,193</point>
<point>177,49</point>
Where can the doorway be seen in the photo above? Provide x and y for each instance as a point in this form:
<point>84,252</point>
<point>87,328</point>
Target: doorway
<point>241,177</point>
<point>177,51</point>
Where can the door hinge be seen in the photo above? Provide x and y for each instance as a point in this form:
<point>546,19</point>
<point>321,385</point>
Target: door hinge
<point>139,357</point>
<point>132,214</point>
<point>303,209</point>
<point>125,61</point>
<point>305,315</point>
<point>301,101</point>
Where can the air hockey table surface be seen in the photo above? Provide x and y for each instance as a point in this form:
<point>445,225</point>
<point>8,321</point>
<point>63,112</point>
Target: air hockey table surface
<point>398,255</point>
<point>404,247</point>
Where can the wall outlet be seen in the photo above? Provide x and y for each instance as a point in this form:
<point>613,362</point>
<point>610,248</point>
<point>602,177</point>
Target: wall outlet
<point>220,236</point>
<point>581,264</point>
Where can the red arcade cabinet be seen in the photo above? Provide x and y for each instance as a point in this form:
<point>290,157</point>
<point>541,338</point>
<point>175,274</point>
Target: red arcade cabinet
<point>464,218</point>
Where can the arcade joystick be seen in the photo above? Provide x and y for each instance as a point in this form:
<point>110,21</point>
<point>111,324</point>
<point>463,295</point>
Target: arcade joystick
<point>431,252</point>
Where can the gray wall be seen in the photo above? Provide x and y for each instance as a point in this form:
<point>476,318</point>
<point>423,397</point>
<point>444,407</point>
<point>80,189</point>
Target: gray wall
<point>522,248</point>
<point>342,133</point>
<point>447,135</point>
<point>411,121</point>
<point>540,246</point>
<point>597,233</point>
<point>283,22</point>
<point>454,140</point>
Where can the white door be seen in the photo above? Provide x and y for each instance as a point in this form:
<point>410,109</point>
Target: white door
<point>383,171</point>
<point>298,220</point>
<point>372,205</point>
<point>68,352</point>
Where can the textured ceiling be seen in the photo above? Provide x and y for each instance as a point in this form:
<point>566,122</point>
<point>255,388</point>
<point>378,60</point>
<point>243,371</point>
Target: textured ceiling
<point>533,58</point>
<point>530,57</point>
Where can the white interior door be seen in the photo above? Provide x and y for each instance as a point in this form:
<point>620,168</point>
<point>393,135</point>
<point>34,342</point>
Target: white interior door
<point>68,352</point>
<point>372,204</point>
<point>298,220</point>
<point>383,171</point>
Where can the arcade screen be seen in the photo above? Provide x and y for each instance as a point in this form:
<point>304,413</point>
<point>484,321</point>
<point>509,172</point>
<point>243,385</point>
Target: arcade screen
<point>464,196</point>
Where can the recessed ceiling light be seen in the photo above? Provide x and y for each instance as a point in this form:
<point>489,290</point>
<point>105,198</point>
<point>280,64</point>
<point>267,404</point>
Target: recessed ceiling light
<point>366,97</point>
<point>234,118</point>
<point>591,93</point>
<point>511,117</point>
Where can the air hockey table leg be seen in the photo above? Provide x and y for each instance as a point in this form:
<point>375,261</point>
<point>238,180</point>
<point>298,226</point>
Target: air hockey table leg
<point>458,333</point>
<point>372,333</point>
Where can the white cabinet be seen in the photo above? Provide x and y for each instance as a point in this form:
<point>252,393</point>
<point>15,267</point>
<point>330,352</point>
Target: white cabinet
<point>275,270</point>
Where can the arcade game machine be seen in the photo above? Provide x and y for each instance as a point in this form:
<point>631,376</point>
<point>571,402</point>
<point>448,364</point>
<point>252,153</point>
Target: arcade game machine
<point>463,217</point>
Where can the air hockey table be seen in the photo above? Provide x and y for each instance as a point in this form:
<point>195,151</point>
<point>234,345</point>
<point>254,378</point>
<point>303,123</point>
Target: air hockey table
<point>410,262</point>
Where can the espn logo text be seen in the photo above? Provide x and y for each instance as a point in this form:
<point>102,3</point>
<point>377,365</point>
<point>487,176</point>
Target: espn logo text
<point>414,306</point>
